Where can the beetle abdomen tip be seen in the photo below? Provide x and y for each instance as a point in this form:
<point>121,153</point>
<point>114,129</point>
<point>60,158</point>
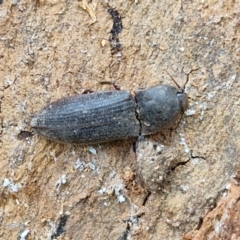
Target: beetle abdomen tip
<point>33,122</point>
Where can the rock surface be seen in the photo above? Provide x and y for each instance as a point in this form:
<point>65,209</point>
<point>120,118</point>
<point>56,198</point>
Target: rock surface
<point>50,49</point>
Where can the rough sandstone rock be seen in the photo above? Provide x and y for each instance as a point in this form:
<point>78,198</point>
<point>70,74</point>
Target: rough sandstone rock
<point>50,49</point>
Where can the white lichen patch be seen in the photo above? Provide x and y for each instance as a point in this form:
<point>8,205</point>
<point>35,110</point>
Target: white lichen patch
<point>24,234</point>
<point>114,185</point>
<point>13,187</point>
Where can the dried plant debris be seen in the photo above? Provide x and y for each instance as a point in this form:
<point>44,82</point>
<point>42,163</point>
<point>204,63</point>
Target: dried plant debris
<point>84,5</point>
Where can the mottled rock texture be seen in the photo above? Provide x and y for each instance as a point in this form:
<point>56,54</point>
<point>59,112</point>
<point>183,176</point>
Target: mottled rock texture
<point>51,49</point>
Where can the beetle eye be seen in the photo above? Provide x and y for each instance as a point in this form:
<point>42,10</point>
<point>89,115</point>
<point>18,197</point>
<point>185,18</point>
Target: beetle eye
<point>183,99</point>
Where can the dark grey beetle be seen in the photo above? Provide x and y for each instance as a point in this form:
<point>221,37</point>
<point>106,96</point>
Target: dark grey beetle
<point>111,115</point>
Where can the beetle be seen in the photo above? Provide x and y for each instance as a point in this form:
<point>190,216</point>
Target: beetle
<point>111,115</point>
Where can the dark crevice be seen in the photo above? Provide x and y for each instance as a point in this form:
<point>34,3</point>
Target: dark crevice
<point>200,222</point>
<point>212,205</point>
<point>179,164</point>
<point>124,235</point>
<point>197,156</point>
<point>138,116</point>
<point>87,91</point>
<point>9,85</point>
<point>146,198</point>
<point>191,153</point>
<point>61,227</point>
<point>130,222</point>
<point>238,199</point>
<point>23,135</point>
<point>134,147</point>
<point>116,29</point>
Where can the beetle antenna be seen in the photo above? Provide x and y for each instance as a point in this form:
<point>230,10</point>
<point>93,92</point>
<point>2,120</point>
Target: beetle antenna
<point>173,79</point>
